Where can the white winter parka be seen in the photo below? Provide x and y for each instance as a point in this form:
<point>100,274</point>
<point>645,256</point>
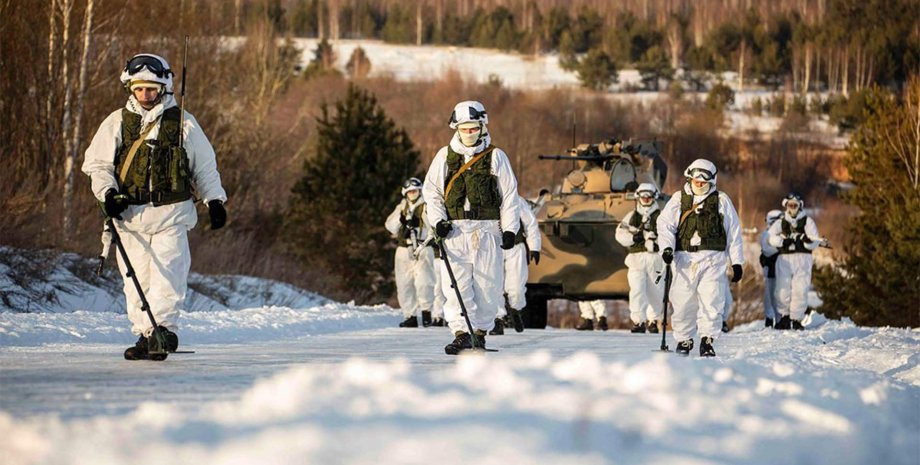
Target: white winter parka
<point>99,165</point>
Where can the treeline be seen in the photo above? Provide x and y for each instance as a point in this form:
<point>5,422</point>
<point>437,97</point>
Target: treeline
<point>803,45</point>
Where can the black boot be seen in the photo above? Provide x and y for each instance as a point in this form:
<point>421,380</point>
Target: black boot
<point>725,327</point>
<point>602,323</point>
<point>638,328</point>
<point>438,321</point>
<point>784,323</point>
<point>585,324</point>
<point>172,340</point>
<point>797,325</point>
<point>706,349</point>
<point>684,347</point>
<point>479,342</point>
<point>652,327</point>
<point>517,320</point>
<point>499,328</point>
<point>426,318</point>
<point>411,322</point>
<point>768,323</point>
<point>462,342</point>
<point>138,351</point>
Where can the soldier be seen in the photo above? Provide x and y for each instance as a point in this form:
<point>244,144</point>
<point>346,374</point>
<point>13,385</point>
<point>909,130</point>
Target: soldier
<point>591,310</point>
<point>526,249</point>
<point>414,260</point>
<point>144,168</point>
<point>701,224</point>
<point>472,201</point>
<point>638,233</point>
<point>768,255</point>
<point>795,236</point>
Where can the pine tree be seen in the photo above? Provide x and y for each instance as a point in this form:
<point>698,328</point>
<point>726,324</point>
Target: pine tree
<point>879,281</point>
<point>597,70</point>
<point>348,188</point>
<point>323,62</point>
<point>358,66</point>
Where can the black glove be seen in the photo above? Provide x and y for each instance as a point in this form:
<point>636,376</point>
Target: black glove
<point>787,242</point>
<point>737,272</point>
<point>508,240</point>
<point>667,256</point>
<point>638,238</point>
<point>413,222</point>
<point>217,213</point>
<point>764,261</point>
<point>442,229</point>
<point>115,204</point>
<point>534,257</point>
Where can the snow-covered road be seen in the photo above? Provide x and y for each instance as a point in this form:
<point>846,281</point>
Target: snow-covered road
<point>836,394</point>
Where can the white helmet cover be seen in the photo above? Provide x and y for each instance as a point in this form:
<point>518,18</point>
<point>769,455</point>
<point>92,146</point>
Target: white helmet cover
<point>703,170</point>
<point>411,184</point>
<point>796,197</point>
<point>143,67</point>
<point>468,111</point>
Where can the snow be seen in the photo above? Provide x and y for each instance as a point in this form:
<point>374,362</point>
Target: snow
<point>327,382</point>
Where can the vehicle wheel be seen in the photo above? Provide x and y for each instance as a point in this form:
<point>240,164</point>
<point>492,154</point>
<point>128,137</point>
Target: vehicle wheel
<point>535,315</point>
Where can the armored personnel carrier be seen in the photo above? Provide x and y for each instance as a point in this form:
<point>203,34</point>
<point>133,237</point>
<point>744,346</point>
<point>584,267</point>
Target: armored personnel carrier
<point>581,259</point>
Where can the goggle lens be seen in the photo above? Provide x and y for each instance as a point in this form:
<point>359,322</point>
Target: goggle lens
<point>136,64</point>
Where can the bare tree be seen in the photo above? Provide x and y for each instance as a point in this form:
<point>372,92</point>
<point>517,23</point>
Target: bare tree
<point>72,145</point>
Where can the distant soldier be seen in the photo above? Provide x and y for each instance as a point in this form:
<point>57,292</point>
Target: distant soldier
<point>591,310</point>
<point>638,233</point>
<point>527,245</point>
<point>701,224</point>
<point>794,236</point>
<point>768,256</point>
<point>472,202</point>
<point>414,260</point>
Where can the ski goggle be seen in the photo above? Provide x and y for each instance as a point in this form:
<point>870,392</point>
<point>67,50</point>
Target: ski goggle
<point>136,64</point>
<point>412,184</point>
<point>701,174</point>
<point>475,115</point>
<point>646,195</point>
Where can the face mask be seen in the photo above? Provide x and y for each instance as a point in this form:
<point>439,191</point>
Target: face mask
<point>699,190</point>
<point>469,140</point>
<point>412,195</point>
<point>792,211</point>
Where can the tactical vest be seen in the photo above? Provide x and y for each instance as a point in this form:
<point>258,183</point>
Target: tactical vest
<point>707,224</point>
<point>477,185</point>
<point>651,225</point>
<point>404,236</point>
<point>789,230</point>
<point>160,170</point>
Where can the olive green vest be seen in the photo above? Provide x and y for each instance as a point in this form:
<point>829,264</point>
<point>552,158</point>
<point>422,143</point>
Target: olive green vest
<point>160,170</point>
<point>404,236</point>
<point>707,224</point>
<point>477,184</point>
<point>789,230</point>
<point>651,225</point>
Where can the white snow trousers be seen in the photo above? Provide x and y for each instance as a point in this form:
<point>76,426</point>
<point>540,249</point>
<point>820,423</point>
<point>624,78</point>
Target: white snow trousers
<point>769,288</point>
<point>592,309</point>
<point>476,259</point>
<point>698,294</point>
<point>161,262</point>
<point>414,280</point>
<point>729,300</point>
<point>793,278</point>
<point>645,295</point>
<point>515,278</point>
<point>437,310</point>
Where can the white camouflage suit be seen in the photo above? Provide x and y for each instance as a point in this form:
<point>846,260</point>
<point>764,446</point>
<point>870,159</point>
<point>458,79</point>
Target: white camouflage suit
<point>414,262</point>
<point>769,284</point>
<point>473,246</point>
<point>793,270</point>
<point>699,286</point>
<point>646,290</point>
<point>155,237</point>
<point>592,309</point>
<point>516,259</point>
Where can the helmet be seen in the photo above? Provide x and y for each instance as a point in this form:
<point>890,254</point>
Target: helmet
<point>773,215</point>
<point>468,111</point>
<point>149,68</point>
<point>702,170</point>
<point>411,184</point>
<point>646,190</point>
<point>793,197</point>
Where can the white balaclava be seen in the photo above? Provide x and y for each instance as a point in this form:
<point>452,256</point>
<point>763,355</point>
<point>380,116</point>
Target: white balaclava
<point>469,139</point>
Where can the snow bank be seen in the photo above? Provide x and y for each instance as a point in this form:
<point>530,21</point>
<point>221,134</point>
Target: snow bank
<point>786,403</point>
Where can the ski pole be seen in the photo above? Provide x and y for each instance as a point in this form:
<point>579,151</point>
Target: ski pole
<point>664,324</point>
<point>453,284</point>
<point>159,348</point>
